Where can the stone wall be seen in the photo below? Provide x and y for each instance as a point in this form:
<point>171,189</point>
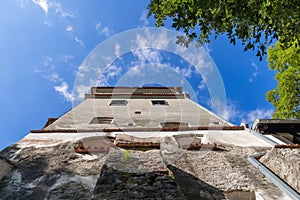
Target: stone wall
<point>58,172</point>
<point>5,168</point>
<point>228,169</point>
<point>119,184</point>
<point>54,172</point>
<point>284,162</point>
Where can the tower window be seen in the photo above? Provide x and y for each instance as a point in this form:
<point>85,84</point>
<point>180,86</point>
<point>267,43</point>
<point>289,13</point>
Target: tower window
<point>118,103</point>
<point>101,120</point>
<point>159,102</point>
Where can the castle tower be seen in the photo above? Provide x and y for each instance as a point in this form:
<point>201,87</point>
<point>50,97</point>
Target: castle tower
<point>140,143</point>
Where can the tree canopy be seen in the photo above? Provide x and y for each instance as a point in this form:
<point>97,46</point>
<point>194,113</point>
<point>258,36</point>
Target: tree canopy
<point>256,23</point>
<point>286,96</point>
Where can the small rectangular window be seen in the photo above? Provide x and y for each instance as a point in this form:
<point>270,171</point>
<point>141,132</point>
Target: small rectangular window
<point>118,103</point>
<point>138,112</point>
<point>101,120</point>
<point>159,102</point>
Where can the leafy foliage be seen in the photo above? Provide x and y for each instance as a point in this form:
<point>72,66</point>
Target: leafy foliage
<point>286,96</point>
<point>256,23</point>
<point>126,155</point>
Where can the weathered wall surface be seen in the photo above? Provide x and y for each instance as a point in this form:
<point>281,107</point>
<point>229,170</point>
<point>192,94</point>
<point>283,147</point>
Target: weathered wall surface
<point>5,168</point>
<point>50,173</point>
<point>228,170</point>
<point>285,162</point>
<point>57,172</point>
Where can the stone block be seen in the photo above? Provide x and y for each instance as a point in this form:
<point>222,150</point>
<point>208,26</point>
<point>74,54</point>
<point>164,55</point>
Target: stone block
<point>5,167</point>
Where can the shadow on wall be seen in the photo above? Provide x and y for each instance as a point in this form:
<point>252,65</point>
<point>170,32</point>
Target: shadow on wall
<point>38,169</point>
<point>194,188</point>
<point>115,184</point>
<point>29,168</point>
<point>119,184</point>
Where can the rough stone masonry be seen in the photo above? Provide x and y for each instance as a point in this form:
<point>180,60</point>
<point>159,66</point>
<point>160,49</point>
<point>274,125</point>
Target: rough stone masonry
<point>58,172</point>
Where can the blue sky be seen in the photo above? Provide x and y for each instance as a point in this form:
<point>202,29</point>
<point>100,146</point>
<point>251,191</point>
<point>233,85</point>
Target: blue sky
<point>44,42</point>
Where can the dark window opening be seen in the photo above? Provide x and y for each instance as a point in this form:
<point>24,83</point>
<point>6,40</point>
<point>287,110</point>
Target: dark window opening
<point>159,102</point>
<point>138,112</point>
<point>118,103</point>
<point>101,120</point>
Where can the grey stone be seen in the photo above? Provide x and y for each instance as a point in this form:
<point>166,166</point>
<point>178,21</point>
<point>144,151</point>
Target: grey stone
<point>285,162</point>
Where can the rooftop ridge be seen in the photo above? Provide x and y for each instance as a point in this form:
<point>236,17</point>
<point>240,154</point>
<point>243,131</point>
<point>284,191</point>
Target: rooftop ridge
<point>134,95</point>
<point>139,129</point>
<point>151,89</point>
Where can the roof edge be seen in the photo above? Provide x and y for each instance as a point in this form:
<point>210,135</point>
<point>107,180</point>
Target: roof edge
<point>226,128</point>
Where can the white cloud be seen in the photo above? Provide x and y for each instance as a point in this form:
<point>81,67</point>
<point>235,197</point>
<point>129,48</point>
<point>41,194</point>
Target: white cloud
<point>147,51</point>
<point>47,5</point>
<point>48,23</point>
<point>59,10</point>
<point>181,82</point>
<point>146,48</point>
<point>202,85</point>
<point>48,62</point>
<point>255,73</point>
<point>201,59</point>
<point>187,71</point>
<point>81,90</point>
<point>83,68</point>
<point>22,3</point>
<point>48,71</point>
<point>67,57</point>
<point>117,50</point>
<point>207,47</point>
<point>86,79</point>
<point>147,55</point>
<point>258,114</point>
<point>104,31</point>
<point>54,77</point>
<point>135,70</point>
<point>156,41</point>
<point>177,69</point>
<point>227,110</point>
<point>36,70</point>
<point>232,112</point>
<point>79,41</point>
<point>144,18</point>
<point>43,4</point>
<point>202,65</point>
<point>107,59</point>
<point>52,6</point>
<point>63,90</point>
<point>112,71</point>
<point>98,25</point>
<point>69,28</point>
